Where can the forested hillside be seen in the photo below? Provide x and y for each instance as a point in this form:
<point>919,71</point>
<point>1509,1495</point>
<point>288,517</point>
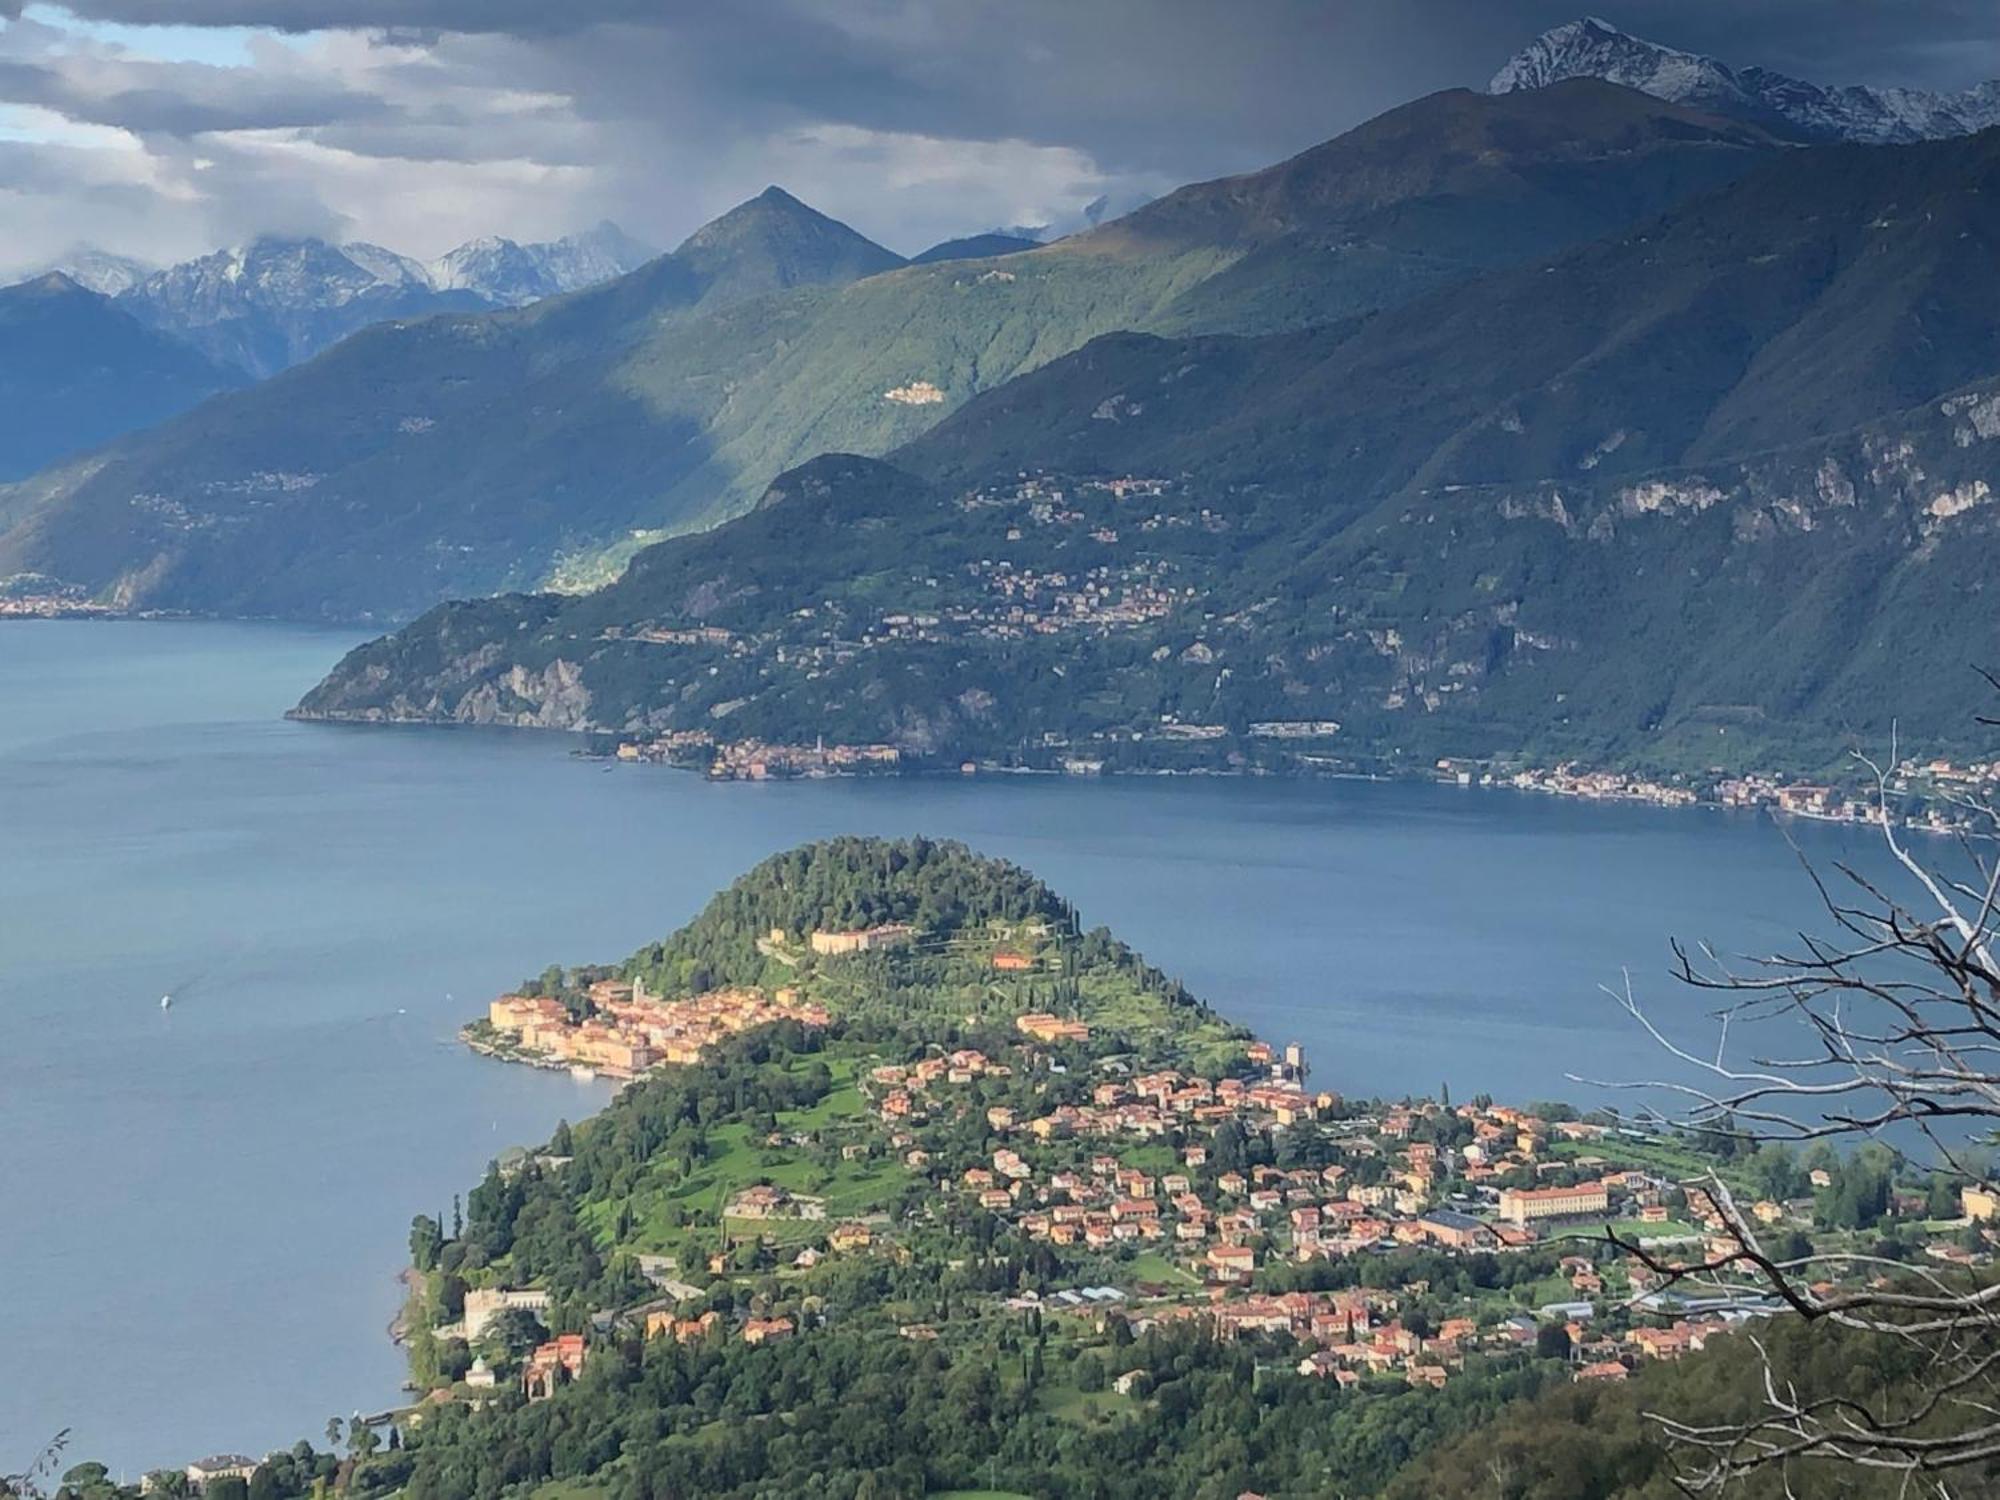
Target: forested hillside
<point>1631,506</point>
<point>456,456</point>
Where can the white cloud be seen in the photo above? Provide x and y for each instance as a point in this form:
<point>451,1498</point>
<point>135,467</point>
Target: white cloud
<point>419,142</point>
<point>420,206</point>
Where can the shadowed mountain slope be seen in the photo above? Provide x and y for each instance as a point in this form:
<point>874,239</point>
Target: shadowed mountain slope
<point>466,455</point>
<point>1699,494</point>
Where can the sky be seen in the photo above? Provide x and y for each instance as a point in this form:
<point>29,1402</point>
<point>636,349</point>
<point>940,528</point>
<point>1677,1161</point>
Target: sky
<point>166,128</point>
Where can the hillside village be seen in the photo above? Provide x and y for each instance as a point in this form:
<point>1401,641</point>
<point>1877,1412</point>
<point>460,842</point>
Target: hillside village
<point>1141,1186</point>
<point>624,1032</point>
<point>1129,572</point>
<point>1241,1201</point>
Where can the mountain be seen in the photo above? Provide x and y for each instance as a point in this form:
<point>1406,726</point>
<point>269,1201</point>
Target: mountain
<point>1591,48</point>
<point>184,333</point>
<point>774,243</point>
<point>975,247</point>
<point>268,305</point>
<point>465,456</point>
<point>1432,193</point>
<point>271,303</point>
<point>502,273</point>
<point>75,370</point>
<point>416,456</point>
<point>1714,491</point>
<point>101,271</point>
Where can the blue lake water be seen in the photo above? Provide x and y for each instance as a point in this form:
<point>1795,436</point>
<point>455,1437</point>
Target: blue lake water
<point>205,1208</point>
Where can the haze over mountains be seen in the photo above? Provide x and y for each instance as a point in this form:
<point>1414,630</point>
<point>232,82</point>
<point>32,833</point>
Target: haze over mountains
<point>75,371</point>
<point>128,344</point>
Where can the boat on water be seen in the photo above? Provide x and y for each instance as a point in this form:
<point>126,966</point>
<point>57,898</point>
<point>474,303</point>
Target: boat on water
<point>166,1002</point>
<point>582,1074</point>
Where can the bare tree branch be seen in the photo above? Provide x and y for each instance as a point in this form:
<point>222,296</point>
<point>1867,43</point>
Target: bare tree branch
<point>1893,1027</point>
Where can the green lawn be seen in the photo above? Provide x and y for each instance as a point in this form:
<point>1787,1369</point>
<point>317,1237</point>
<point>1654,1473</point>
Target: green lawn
<point>1549,1289</point>
<point>1155,1157</point>
<point>1151,1265</point>
<point>846,1105</point>
<point>848,1188</point>
<point>1085,1408</point>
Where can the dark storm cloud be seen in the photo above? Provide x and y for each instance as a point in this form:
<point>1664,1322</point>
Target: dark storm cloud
<point>914,118</point>
<point>185,100</point>
<point>1174,88</point>
<point>1857,39</point>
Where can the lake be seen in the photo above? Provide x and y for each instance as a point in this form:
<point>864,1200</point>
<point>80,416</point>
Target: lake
<point>206,1207</point>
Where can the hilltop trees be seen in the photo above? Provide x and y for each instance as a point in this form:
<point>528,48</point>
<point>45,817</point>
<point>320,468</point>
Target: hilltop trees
<point>939,887</point>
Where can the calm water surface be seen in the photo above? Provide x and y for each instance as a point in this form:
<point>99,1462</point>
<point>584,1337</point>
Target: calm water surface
<point>205,1208</point>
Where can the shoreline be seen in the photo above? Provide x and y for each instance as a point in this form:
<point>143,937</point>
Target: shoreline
<point>1642,790</point>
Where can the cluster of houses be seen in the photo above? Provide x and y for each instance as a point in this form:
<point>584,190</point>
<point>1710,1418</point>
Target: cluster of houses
<point>1351,1335</point>
<point>1596,786</point>
<point>1355,1333</point>
<point>559,1360</point>
<point>1507,1181</point>
<point>1940,780</point>
<point>1221,1226</point>
<point>752,759</point>
<point>626,1031</point>
<point>760,760</point>
<point>1130,1162</point>
<point>664,1324</point>
<point>1031,602</point>
<point>55,606</point>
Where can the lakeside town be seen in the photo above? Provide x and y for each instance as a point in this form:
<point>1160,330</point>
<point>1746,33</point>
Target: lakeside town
<point>1124,1177</point>
<point>1938,796</point>
<point>1933,796</point>
<point>62,605</point>
<point>624,1031</point>
<point>1144,1177</point>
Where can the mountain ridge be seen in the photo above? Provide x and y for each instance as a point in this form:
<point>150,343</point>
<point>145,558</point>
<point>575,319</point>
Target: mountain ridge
<point>1594,48</point>
<point>975,247</point>
<point>276,301</point>
<point>1736,458</point>
<point>657,403</point>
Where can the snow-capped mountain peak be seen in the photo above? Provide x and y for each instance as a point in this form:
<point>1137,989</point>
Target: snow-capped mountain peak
<point>101,271</point>
<point>386,266</point>
<point>279,299</point>
<point>1594,48</point>
<point>511,274</point>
